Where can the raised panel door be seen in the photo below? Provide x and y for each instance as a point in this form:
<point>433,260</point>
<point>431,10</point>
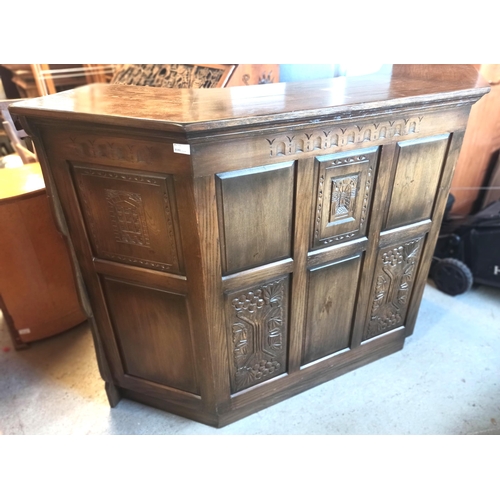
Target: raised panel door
<point>419,164</point>
<point>255,209</point>
<point>331,305</point>
<point>153,333</point>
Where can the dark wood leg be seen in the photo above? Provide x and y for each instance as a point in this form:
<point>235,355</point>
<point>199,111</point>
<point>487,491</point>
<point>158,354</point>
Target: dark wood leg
<point>113,393</point>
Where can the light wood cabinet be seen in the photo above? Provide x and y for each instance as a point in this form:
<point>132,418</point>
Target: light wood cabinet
<point>239,246</point>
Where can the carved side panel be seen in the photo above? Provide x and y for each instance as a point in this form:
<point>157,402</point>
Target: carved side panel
<point>392,287</point>
<point>343,196</point>
<point>257,333</point>
<point>130,217</point>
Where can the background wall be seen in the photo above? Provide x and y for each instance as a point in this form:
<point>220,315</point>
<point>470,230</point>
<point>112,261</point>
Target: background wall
<point>300,72</point>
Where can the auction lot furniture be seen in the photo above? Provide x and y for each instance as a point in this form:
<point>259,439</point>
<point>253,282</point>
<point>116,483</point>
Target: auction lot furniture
<point>38,297</point>
<point>238,246</point>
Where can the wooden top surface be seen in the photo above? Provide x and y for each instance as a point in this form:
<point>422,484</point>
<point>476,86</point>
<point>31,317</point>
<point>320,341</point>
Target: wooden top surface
<point>20,181</point>
<point>198,110</point>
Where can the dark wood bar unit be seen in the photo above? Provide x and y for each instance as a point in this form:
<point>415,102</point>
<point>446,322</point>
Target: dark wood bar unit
<point>235,247</point>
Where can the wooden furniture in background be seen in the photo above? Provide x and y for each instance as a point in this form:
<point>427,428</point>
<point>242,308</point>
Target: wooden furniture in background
<point>195,75</point>
<point>37,289</point>
<point>16,137</point>
<point>239,247</point>
<point>254,74</point>
<point>179,76</point>
<point>34,80</point>
<point>481,141</point>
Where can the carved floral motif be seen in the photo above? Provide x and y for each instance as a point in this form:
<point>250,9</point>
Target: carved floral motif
<point>258,333</point>
<point>344,191</point>
<point>393,286</point>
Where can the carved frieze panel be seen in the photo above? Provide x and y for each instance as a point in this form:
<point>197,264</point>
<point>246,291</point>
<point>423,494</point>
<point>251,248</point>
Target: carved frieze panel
<point>137,210</point>
<point>343,195</point>
<point>333,138</point>
<point>257,333</point>
<point>394,278</point>
<point>117,150</point>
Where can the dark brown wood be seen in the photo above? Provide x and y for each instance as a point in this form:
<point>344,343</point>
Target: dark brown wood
<point>238,246</point>
<point>264,196</point>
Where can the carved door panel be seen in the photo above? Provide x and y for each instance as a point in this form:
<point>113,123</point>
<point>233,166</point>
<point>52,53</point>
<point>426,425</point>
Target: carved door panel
<point>257,333</point>
<point>343,195</point>
<point>131,220</point>
<point>396,269</point>
<point>417,171</point>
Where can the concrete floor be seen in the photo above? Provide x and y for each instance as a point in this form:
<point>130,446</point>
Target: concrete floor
<point>446,380</point>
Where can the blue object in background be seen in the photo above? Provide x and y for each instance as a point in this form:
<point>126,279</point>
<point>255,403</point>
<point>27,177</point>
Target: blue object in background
<point>300,72</point>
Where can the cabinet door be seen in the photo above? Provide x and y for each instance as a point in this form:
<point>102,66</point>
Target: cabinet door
<point>419,166</point>
<point>255,211</point>
<point>343,197</point>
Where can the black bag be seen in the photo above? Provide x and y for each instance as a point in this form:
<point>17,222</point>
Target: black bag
<point>467,251</point>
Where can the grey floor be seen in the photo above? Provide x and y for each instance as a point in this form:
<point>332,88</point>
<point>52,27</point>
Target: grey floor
<point>446,380</point>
